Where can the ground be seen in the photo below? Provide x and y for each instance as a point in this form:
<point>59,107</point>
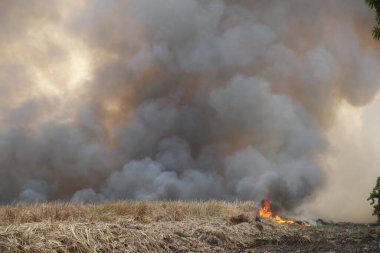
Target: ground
<point>170,227</point>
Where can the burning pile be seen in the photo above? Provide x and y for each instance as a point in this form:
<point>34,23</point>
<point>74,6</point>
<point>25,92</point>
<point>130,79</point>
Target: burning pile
<point>267,212</point>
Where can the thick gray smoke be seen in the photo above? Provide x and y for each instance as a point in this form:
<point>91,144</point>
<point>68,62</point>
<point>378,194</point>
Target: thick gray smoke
<point>181,99</point>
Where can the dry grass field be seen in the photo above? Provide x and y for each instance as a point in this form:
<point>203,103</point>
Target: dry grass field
<point>144,211</point>
<point>161,226</point>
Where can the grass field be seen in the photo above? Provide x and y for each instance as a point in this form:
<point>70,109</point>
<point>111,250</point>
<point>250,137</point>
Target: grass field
<point>162,226</point>
<point>147,211</point>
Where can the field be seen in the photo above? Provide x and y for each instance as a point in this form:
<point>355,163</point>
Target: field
<point>158,226</point>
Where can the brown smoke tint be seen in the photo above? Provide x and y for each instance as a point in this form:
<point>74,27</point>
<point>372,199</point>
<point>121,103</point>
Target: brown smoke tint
<point>168,99</point>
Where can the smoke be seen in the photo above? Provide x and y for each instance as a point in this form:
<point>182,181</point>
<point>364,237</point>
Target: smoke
<point>171,99</point>
<point>351,163</point>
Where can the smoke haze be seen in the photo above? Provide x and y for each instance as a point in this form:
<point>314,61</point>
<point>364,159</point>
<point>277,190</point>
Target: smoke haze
<point>168,99</point>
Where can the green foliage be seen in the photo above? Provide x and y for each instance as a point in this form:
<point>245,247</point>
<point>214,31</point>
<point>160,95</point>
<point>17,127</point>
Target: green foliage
<point>375,5</point>
<point>181,234</point>
<point>375,199</point>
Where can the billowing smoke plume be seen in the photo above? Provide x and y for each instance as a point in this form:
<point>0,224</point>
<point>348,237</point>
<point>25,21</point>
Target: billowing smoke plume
<point>176,99</point>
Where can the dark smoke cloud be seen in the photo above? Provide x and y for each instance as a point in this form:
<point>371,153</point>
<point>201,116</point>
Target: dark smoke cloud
<point>185,99</point>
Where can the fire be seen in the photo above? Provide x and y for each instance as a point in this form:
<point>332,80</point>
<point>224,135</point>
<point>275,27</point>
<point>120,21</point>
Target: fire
<point>267,212</point>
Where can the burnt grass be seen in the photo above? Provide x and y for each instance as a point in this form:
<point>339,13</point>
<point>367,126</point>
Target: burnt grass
<point>170,226</point>
<point>328,237</point>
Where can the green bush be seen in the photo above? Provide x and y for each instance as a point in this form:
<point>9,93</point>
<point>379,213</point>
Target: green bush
<point>375,198</point>
<point>375,4</point>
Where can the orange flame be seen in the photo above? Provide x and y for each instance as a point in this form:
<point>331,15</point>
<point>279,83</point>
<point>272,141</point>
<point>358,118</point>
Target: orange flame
<point>267,212</point>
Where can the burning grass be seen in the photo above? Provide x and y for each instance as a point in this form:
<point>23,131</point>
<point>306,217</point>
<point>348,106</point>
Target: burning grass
<point>160,226</point>
<point>266,211</point>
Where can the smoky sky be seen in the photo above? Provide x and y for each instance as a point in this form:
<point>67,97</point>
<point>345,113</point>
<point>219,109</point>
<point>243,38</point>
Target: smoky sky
<point>176,99</point>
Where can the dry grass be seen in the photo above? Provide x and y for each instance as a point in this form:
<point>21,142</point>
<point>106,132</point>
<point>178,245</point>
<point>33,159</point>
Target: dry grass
<point>143,226</point>
<point>145,211</point>
<point>165,226</point>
